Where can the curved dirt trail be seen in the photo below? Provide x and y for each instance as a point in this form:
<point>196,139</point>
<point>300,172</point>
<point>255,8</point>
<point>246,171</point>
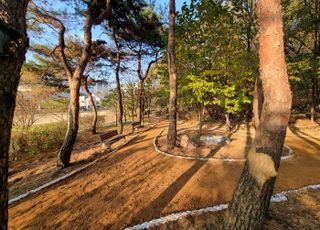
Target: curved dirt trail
<point>137,184</point>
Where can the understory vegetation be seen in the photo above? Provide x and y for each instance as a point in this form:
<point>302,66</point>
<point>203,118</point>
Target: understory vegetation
<point>38,139</point>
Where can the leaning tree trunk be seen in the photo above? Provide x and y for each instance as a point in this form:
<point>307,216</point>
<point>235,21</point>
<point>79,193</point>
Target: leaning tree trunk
<point>172,132</point>
<point>93,128</point>
<point>251,198</point>
<point>73,124</point>
<point>14,44</point>
<point>74,79</point>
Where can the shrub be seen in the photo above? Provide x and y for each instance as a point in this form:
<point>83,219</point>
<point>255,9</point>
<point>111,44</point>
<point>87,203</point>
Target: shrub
<point>37,139</point>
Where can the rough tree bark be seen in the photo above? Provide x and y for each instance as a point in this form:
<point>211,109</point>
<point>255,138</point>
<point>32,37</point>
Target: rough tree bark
<point>13,27</point>
<point>74,76</point>
<point>257,102</point>
<point>93,128</point>
<point>74,79</point>
<point>251,198</point>
<point>117,71</point>
<point>172,132</point>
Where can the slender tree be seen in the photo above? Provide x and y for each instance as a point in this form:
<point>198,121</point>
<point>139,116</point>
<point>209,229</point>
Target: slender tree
<point>142,78</point>
<point>125,26</point>
<point>251,198</point>
<point>93,128</point>
<point>172,132</point>
<point>94,15</point>
<point>145,40</point>
<point>13,46</point>
<point>117,75</point>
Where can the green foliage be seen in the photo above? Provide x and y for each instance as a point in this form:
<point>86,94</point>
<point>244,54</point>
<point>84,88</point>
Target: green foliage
<point>110,101</point>
<point>301,20</point>
<point>37,139</point>
<point>214,66</point>
<point>206,92</point>
<point>56,105</point>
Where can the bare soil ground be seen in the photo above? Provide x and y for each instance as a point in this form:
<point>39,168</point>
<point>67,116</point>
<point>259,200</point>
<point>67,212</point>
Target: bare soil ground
<point>301,211</point>
<point>137,184</point>
<point>238,148</point>
<point>39,169</point>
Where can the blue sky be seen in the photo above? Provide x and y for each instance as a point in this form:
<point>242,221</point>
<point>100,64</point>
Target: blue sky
<point>179,3</point>
<point>50,37</point>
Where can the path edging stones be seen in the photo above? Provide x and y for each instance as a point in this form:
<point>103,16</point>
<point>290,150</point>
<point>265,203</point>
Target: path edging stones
<point>279,197</point>
<point>74,172</point>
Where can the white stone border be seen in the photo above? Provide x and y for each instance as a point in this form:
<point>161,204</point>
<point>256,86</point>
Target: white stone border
<point>289,156</point>
<point>279,197</point>
<point>72,173</point>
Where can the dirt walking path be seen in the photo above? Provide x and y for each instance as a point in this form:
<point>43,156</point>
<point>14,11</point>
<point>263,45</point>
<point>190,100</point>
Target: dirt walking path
<point>137,184</point>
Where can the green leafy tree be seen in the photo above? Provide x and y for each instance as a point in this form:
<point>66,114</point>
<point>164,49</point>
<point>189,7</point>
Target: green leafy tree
<point>213,58</point>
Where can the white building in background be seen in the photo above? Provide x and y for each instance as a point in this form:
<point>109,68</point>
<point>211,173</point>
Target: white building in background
<point>85,102</point>
<point>98,90</point>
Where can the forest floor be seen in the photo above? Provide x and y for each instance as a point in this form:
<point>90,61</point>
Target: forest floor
<point>301,211</point>
<point>137,184</point>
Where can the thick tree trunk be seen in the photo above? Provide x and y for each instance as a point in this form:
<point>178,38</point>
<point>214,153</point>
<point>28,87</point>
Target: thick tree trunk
<point>257,102</point>
<point>13,23</point>
<point>172,132</point>
<point>93,128</point>
<point>73,124</point>
<point>251,198</point>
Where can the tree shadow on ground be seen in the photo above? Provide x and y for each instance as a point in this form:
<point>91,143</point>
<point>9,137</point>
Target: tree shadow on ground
<point>161,202</point>
<point>302,135</point>
<point>101,198</point>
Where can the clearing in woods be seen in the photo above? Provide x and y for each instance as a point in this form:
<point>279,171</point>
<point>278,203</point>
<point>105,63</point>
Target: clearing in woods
<point>137,184</point>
